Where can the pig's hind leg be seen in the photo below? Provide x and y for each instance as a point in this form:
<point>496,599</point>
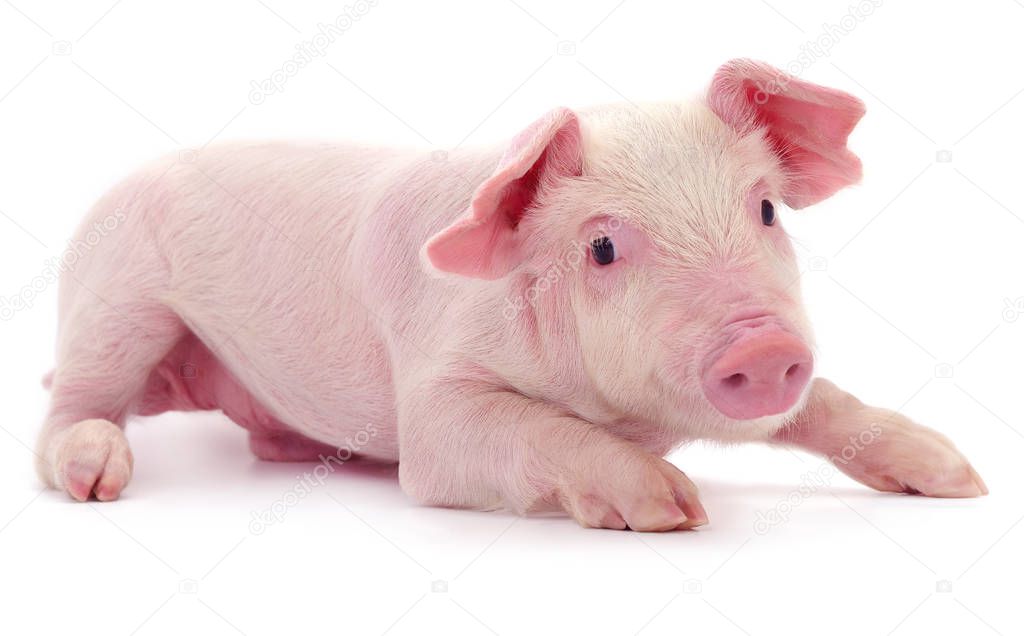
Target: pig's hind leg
<point>114,329</point>
<point>106,351</point>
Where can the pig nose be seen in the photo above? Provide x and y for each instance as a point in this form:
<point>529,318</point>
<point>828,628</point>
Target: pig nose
<point>759,374</point>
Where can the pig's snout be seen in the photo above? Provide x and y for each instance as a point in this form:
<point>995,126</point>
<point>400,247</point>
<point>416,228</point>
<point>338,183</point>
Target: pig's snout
<point>761,372</point>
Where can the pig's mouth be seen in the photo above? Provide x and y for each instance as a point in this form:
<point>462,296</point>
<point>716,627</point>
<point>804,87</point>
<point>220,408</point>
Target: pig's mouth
<point>758,369</point>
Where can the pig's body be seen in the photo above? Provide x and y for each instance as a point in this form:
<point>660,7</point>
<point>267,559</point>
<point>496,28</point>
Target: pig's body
<point>317,305</point>
<point>619,288</point>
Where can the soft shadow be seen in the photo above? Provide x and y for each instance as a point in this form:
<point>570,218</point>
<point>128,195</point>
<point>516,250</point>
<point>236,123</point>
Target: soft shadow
<point>355,467</point>
<point>727,490</point>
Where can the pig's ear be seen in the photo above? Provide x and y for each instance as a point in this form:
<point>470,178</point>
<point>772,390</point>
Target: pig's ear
<point>806,124</point>
<point>485,242</point>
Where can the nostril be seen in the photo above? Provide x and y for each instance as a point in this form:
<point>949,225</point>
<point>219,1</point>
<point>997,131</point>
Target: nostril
<point>735,381</point>
<point>758,374</point>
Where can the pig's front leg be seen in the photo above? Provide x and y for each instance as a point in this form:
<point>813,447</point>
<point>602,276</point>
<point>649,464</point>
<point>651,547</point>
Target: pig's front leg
<point>880,448</point>
<point>487,448</point>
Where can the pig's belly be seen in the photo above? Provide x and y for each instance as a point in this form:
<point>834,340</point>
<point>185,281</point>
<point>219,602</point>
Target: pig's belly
<point>191,378</point>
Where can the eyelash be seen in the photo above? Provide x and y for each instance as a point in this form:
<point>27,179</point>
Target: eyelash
<point>602,250</point>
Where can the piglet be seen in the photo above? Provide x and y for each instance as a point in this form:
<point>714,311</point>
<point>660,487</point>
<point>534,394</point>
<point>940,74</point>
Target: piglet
<point>532,326</point>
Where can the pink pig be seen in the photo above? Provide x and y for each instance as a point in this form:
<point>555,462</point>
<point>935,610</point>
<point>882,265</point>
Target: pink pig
<point>530,327</point>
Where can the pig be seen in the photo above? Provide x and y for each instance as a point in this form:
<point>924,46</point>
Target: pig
<point>531,326</point>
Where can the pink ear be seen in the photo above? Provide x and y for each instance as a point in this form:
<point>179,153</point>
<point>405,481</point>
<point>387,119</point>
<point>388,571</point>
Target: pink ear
<point>806,124</point>
<point>485,243</point>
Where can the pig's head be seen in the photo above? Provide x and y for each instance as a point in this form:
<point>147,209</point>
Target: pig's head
<point>643,248</point>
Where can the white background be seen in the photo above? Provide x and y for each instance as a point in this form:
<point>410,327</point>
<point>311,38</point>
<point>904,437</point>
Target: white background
<point>912,279</point>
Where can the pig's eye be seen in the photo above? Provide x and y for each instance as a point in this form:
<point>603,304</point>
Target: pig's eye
<point>603,250</point>
<point>767,212</point>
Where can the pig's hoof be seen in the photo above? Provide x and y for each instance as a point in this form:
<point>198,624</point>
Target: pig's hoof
<point>919,461</point>
<point>91,457</point>
<point>954,477</point>
<point>647,495</point>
